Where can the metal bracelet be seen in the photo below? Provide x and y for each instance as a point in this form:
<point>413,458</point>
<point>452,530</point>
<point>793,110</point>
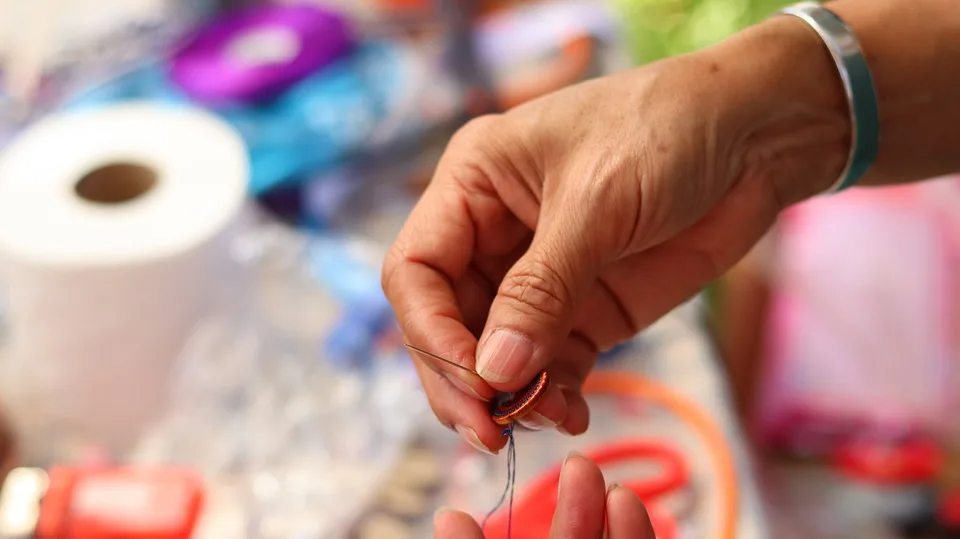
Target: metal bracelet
<point>857,84</point>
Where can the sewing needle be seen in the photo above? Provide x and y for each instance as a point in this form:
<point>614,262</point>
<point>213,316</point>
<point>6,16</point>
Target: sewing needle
<point>435,356</point>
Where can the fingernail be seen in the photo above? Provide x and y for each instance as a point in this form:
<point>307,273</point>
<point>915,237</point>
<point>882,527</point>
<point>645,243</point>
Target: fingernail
<point>529,425</point>
<point>462,385</point>
<point>503,356</point>
<point>471,437</point>
<point>537,421</point>
<point>563,431</point>
<point>562,468</point>
<point>612,487</point>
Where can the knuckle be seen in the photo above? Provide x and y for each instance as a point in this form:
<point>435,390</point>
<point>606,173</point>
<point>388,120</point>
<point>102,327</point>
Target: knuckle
<point>538,289</point>
<point>610,198</point>
<point>476,132</point>
<point>471,153</point>
<point>389,268</point>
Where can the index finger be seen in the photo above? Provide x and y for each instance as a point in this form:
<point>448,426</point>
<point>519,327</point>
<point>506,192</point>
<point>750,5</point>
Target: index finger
<point>432,252</point>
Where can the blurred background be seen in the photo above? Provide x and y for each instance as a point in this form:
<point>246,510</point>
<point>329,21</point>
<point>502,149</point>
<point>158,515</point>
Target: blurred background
<point>195,200</point>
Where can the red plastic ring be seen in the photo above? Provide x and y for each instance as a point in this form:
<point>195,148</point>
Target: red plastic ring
<point>909,462</point>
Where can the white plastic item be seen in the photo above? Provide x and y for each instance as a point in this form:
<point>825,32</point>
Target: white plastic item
<point>33,34</point>
<point>115,230</point>
<point>862,319</point>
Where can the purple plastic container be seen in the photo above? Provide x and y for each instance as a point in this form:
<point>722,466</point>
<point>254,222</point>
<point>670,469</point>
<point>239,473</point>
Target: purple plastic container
<point>255,54</point>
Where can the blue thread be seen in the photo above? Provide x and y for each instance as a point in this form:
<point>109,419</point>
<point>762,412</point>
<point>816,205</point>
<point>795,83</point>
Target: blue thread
<point>511,481</point>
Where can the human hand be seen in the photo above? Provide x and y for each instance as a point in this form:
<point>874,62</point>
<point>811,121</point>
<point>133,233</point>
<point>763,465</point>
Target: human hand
<point>584,506</point>
<point>567,225</point>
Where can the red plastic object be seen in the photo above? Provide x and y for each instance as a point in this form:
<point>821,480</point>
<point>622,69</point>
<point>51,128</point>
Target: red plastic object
<point>948,511</point>
<point>533,511</point>
<point>913,461</point>
<point>120,503</point>
<point>406,5</point>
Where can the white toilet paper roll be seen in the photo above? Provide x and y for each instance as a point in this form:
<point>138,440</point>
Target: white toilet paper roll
<point>115,229</point>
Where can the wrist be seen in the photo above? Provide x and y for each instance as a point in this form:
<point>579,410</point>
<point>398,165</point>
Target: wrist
<point>785,105</point>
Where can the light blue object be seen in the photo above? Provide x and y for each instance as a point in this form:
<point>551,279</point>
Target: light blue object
<point>147,82</point>
<point>352,340</point>
<point>316,125</point>
<point>336,264</point>
<point>857,84</point>
<point>324,197</point>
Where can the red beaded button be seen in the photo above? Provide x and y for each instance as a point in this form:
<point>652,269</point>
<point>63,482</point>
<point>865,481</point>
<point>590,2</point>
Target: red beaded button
<point>510,407</point>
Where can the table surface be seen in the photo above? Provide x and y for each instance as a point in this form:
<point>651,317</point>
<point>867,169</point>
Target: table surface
<point>680,353</point>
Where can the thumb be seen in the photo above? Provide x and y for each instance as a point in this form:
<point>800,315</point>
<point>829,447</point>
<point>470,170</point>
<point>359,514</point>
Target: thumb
<point>451,524</point>
<point>536,304</point>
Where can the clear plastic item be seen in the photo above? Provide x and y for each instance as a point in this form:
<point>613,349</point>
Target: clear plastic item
<point>291,444</point>
<point>58,49</point>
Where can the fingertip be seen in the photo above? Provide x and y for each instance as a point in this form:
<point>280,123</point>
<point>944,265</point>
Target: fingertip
<point>535,421</point>
<point>626,515</point>
<point>578,414</point>
<point>621,497</point>
<point>551,410</point>
<point>580,478</point>
<point>452,524</point>
<point>462,413</point>
<point>581,500</point>
<point>471,437</point>
<point>443,514</point>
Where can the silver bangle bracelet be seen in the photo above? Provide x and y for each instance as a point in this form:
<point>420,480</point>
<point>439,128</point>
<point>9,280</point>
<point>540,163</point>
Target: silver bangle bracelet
<point>857,84</point>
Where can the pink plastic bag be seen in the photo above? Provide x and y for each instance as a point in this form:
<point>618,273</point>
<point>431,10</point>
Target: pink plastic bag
<point>861,326</point>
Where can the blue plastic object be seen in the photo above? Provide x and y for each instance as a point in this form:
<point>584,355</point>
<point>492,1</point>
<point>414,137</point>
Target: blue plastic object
<point>340,268</point>
<point>310,129</point>
<point>351,343</point>
<point>336,263</point>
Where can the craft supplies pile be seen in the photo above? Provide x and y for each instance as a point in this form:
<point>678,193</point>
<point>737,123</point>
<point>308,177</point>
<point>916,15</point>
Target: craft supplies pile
<point>293,79</point>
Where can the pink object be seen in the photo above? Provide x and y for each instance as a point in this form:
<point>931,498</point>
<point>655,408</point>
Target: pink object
<point>862,322</point>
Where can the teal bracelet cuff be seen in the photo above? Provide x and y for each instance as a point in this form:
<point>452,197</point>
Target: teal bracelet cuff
<point>857,83</point>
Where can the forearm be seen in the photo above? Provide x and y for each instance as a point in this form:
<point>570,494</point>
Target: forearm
<point>785,78</point>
